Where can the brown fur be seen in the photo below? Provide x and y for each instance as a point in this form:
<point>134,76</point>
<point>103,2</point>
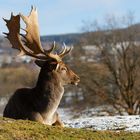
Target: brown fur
<point>41,102</point>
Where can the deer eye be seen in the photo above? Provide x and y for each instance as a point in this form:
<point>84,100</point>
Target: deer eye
<point>64,69</point>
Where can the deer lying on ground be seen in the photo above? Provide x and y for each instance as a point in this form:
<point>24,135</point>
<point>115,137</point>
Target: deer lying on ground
<point>41,102</point>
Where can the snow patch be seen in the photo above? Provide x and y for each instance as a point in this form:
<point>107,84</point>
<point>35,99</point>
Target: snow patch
<point>127,123</point>
<point>116,123</point>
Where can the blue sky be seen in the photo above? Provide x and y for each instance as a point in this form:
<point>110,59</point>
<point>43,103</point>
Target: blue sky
<point>66,16</point>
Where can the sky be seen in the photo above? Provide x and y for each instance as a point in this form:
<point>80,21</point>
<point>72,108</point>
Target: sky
<point>67,16</point>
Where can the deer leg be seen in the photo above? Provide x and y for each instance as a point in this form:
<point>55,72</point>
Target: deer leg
<point>58,121</point>
<point>36,116</point>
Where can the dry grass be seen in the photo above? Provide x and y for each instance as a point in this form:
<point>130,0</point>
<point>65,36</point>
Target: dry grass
<point>13,78</point>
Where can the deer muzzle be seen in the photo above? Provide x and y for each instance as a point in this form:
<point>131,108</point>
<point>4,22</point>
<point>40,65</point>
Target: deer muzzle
<point>75,80</point>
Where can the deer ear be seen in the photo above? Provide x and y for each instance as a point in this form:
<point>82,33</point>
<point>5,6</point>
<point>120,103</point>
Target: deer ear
<point>54,65</point>
<point>40,63</point>
<point>51,65</point>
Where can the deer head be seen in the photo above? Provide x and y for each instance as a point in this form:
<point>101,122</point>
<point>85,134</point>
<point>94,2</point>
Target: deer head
<point>30,44</point>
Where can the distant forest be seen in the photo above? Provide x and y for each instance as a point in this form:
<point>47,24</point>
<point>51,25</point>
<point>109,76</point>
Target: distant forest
<point>67,38</point>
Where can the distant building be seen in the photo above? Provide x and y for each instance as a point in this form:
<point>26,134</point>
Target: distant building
<point>23,59</point>
<point>5,59</point>
<point>92,53</point>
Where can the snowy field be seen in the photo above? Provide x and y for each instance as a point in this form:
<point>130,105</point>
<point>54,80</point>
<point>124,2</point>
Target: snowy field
<point>127,123</point>
<point>115,123</point>
<point>95,118</point>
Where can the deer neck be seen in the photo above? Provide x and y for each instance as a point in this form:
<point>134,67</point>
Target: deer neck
<point>50,91</point>
<point>49,83</point>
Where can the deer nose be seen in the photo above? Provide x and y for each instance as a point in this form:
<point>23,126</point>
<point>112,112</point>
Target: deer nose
<point>77,78</point>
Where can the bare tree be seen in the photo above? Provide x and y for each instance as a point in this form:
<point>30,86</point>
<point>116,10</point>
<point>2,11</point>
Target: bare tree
<point>119,51</point>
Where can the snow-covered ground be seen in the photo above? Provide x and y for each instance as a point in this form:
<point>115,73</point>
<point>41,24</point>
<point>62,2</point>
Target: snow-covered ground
<point>3,102</point>
<point>126,123</point>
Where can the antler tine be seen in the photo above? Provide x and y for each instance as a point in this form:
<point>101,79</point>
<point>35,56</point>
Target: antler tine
<point>23,36</point>
<point>51,55</point>
<point>24,30</point>
<point>52,48</point>
<point>11,14</point>
<point>5,33</point>
<point>66,51</point>
<point>33,8</point>
<point>5,20</point>
<point>63,50</point>
<point>69,50</point>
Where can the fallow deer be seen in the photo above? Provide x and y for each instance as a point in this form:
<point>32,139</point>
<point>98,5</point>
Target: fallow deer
<point>41,102</point>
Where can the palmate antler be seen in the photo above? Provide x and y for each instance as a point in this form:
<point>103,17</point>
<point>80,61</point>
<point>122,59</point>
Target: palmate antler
<point>30,43</point>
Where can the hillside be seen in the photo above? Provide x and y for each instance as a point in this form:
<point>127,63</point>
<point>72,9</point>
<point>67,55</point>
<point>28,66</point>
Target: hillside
<point>27,130</point>
<point>67,38</point>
